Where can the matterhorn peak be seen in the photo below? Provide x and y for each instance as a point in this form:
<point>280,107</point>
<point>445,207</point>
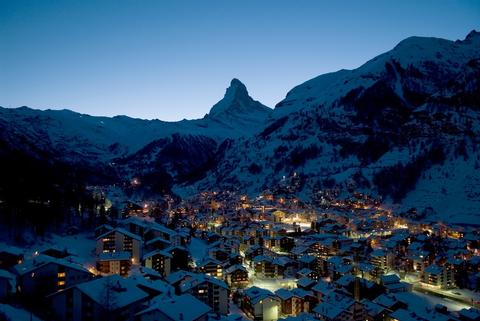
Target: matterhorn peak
<point>236,102</point>
<point>236,83</point>
<point>237,88</point>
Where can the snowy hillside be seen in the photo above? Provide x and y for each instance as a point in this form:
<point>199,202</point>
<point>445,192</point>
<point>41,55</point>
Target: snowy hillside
<point>404,125</point>
<point>121,147</point>
<point>105,137</point>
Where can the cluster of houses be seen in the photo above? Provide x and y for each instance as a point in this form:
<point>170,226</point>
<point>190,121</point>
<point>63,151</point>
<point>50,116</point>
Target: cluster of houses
<point>252,260</point>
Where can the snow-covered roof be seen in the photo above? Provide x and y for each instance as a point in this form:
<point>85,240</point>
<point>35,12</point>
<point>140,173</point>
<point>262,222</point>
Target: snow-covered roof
<point>385,300</point>
<point>305,282</point>
<point>434,269</point>
<point>120,291</point>
<point>114,256</point>
<point>389,279</point>
<point>472,313</point>
<point>373,309</point>
<point>184,307</point>
<point>179,276</point>
<point>234,268</point>
<point>322,287</point>
<point>327,310</point>
<point>198,279</point>
<point>157,252</point>
<point>256,294</point>
<point>39,261</point>
<point>285,294</point>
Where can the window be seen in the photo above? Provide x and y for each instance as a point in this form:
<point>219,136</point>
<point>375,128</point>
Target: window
<point>61,274</point>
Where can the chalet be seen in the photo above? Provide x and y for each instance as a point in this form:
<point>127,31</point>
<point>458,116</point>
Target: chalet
<point>157,243</point>
<point>44,275</point>
<point>180,257</point>
<point>210,266</point>
<point>107,298</point>
<point>211,291</point>
<point>306,283</point>
<point>283,266</point>
<point>236,276</point>
<point>306,272</point>
<point>375,312</point>
<point>253,252</point>
<point>121,240</point>
<point>390,302</point>
<point>322,289</point>
<point>159,261</point>
<point>392,284</point>
<point>308,262</point>
<point>338,266</point>
<point>174,308</point>
<point>263,267</point>
<point>337,306</point>
<point>261,304</point>
<point>177,278</point>
<point>219,254</point>
<point>295,301</point>
<point>114,263</point>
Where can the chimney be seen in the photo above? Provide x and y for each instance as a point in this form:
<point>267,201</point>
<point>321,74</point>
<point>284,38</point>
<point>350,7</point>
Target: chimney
<point>356,289</point>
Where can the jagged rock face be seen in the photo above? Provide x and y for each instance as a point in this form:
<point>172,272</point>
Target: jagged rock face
<point>237,108</point>
<point>402,124</point>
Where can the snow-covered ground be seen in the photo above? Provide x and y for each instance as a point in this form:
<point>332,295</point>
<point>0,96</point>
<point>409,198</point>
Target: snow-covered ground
<point>198,249</point>
<point>16,314</point>
<point>419,301</point>
<point>81,247</point>
<point>273,284</point>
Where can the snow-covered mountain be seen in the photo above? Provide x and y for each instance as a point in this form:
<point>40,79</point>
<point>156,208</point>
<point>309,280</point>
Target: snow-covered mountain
<point>237,108</point>
<point>405,124</point>
<point>117,144</point>
<point>236,115</point>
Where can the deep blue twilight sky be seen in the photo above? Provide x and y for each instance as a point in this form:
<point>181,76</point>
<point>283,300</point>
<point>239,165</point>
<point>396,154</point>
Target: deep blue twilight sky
<point>173,59</point>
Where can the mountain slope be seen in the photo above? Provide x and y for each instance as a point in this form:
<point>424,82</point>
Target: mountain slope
<point>120,146</point>
<point>395,125</point>
<point>102,138</point>
<point>405,125</point>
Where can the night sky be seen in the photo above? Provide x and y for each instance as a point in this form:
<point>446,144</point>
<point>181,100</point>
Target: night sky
<point>173,59</point>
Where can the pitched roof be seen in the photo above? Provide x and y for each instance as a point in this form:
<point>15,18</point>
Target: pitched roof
<point>114,256</point>
<point>256,294</point>
<point>184,307</point>
<point>327,310</point>
<point>120,291</point>
<point>198,279</point>
<point>39,261</point>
